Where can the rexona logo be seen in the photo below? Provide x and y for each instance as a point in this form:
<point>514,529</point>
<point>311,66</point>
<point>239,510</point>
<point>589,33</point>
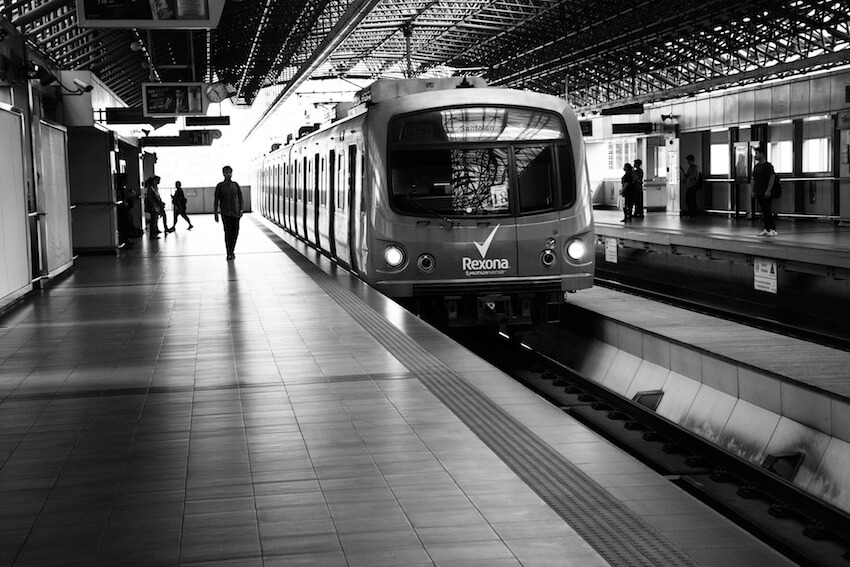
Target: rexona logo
<point>485,266</point>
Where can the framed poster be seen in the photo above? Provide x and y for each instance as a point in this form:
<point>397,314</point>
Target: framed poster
<point>173,99</point>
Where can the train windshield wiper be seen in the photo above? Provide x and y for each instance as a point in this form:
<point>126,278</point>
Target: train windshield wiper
<point>432,212</point>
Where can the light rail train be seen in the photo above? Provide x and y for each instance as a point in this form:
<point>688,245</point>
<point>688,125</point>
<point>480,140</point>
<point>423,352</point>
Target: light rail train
<point>468,203</point>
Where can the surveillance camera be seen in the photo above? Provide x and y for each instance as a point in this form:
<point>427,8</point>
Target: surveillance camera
<point>84,86</point>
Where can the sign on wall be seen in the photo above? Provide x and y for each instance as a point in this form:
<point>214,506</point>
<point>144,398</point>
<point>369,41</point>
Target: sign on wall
<point>764,275</point>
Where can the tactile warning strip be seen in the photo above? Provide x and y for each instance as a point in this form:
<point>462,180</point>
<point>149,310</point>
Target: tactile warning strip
<point>619,535</point>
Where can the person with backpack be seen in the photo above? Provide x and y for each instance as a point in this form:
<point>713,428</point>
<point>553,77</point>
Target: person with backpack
<point>764,186</point>
<point>178,203</point>
<point>691,183</point>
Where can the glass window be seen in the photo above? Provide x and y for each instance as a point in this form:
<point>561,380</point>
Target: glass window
<point>534,176</point>
<point>816,155</point>
<point>620,152</point>
<point>781,155</point>
<point>451,182</point>
<point>719,159</point>
<point>660,161</point>
<point>476,124</point>
<point>565,167</point>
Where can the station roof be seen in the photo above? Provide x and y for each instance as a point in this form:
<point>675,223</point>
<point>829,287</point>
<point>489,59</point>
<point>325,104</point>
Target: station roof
<point>597,52</point>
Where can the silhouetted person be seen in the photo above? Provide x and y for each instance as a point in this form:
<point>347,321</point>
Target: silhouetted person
<point>690,184</point>
<point>228,198</point>
<point>638,189</point>
<point>628,191</point>
<point>178,203</point>
<point>154,206</point>
<point>764,178</point>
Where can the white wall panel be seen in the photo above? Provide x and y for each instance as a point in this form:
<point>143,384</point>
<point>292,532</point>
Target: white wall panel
<point>15,264</point>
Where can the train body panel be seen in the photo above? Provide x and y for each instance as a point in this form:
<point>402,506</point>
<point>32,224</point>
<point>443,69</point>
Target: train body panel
<point>473,202</point>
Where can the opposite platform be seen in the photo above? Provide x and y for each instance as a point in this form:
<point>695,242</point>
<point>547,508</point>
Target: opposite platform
<point>166,407</point>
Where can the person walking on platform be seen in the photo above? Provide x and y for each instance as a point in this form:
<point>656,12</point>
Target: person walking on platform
<point>228,199</point>
<point>764,179</point>
<point>628,192</point>
<point>178,203</point>
<point>638,189</point>
<point>690,183</point>
<point>154,206</point>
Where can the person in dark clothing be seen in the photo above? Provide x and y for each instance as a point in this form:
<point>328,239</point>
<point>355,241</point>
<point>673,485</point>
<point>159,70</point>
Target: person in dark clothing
<point>690,183</point>
<point>628,192</point>
<point>764,178</point>
<point>178,202</point>
<point>154,207</point>
<point>228,199</point>
<point>638,189</point>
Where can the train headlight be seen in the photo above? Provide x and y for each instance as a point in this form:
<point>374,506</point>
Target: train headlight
<point>576,250</point>
<point>547,258</point>
<point>426,263</point>
<point>393,256</point>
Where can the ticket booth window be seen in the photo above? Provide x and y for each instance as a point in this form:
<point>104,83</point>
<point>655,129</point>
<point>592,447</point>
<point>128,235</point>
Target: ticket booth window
<point>720,159</point>
<point>781,155</point>
<point>660,161</point>
<point>816,155</point>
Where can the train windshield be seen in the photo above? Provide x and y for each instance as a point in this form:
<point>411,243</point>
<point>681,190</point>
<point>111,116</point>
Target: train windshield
<point>481,161</point>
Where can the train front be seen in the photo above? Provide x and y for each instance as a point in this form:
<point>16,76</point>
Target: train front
<point>483,212</point>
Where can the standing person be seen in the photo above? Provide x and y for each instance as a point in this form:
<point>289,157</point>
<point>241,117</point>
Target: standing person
<point>628,191</point>
<point>154,206</point>
<point>764,179</point>
<point>638,189</point>
<point>690,183</point>
<point>228,198</point>
<point>178,203</point>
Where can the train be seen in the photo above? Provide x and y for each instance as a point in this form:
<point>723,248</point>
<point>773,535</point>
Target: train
<point>469,204</point>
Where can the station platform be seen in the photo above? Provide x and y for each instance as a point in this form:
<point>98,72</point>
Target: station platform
<point>166,407</point>
<point>802,245</point>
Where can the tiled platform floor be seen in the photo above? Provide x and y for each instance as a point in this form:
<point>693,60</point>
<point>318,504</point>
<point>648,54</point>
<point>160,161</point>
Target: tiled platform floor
<point>166,407</point>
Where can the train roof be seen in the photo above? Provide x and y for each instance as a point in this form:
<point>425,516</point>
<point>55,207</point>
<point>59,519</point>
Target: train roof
<point>388,89</point>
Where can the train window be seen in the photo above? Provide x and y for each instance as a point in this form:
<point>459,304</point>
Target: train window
<point>534,174</point>
<point>340,198</point>
<point>451,182</point>
<point>567,176</point>
<point>476,124</point>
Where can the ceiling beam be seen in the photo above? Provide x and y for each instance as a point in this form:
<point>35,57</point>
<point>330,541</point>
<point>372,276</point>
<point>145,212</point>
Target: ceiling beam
<point>355,13</point>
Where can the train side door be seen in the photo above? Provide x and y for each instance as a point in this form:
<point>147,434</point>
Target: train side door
<point>296,195</point>
<point>317,202</point>
<point>331,191</point>
<point>353,208</point>
<point>287,196</point>
<point>302,210</point>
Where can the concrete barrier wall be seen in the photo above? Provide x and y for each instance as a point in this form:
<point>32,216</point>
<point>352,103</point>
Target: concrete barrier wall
<point>745,412</point>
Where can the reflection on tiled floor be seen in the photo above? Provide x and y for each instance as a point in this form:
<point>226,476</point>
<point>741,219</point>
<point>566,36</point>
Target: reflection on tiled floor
<point>167,407</point>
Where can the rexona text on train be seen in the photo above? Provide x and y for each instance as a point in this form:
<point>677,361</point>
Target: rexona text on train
<point>469,203</point>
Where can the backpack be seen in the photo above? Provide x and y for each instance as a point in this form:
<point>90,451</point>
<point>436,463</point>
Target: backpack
<point>700,180</point>
<point>776,191</point>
